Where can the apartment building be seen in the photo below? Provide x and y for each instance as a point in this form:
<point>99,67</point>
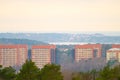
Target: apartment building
<point>113,54</point>
<point>87,51</point>
<point>13,55</point>
<point>43,54</point>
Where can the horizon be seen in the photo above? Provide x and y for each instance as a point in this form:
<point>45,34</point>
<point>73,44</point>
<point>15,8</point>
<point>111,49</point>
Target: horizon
<point>108,33</point>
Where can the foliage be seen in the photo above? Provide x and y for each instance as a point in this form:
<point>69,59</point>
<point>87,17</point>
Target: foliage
<point>107,73</point>
<point>84,76</point>
<point>116,72</point>
<point>29,71</point>
<point>20,41</point>
<point>7,73</point>
<point>51,72</point>
<point>110,73</point>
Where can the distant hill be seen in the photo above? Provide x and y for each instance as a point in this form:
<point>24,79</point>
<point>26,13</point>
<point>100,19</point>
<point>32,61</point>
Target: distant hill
<point>63,37</point>
<point>20,41</point>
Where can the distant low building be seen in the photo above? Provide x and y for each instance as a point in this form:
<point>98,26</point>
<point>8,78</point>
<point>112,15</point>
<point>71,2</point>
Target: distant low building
<point>43,54</point>
<point>13,55</point>
<point>87,51</point>
<point>113,54</point>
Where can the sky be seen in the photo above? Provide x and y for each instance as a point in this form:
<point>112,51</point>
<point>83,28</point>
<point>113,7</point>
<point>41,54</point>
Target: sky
<point>60,16</point>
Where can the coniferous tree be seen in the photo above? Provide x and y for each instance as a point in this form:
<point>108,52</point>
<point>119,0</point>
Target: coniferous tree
<point>51,72</point>
<point>105,74</point>
<point>7,73</point>
<point>29,71</point>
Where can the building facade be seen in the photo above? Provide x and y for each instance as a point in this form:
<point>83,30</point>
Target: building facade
<point>115,45</point>
<point>43,54</point>
<point>13,55</point>
<point>87,51</point>
<point>113,54</point>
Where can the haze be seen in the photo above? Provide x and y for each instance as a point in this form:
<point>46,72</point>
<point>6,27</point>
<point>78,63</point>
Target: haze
<point>59,15</point>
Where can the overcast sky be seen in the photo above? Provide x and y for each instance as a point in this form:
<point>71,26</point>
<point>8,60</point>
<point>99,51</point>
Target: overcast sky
<point>59,15</point>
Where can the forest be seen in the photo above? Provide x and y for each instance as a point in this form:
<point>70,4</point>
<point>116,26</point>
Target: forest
<point>29,71</point>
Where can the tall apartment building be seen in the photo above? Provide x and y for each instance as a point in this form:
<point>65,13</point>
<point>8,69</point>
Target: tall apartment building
<point>113,54</point>
<point>87,51</point>
<point>43,54</point>
<point>13,55</point>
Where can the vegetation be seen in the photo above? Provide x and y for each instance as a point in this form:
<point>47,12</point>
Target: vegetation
<point>107,73</point>
<point>7,73</point>
<point>85,75</point>
<point>20,41</point>
<point>30,71</point>
<point>51,72</point>
<point>110,73</point>
<point>63,37</point>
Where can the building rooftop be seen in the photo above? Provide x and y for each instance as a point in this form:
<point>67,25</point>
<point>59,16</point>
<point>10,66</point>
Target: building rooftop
<point>44,46</point>
<point>89,46</point>
<point>13,46</point>
<point>114,49</point>
<point>116,46</point>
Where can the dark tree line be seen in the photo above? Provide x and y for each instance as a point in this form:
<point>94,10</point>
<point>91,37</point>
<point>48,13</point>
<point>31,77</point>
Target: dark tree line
<point>30,71</point>
<point>7,73</point>
<point>20,41</point>
<point>107,73</point>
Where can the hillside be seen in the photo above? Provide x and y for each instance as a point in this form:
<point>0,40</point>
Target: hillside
<point>20,41</point>
<point>63,37</point>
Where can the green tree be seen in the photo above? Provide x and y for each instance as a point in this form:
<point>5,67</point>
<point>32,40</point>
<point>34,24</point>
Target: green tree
<point>94,74</point>
<point>105,74</point>
<point>29,71</point>
<point>51,72</point>
<point>0,72</point>
<point>0,68</point>
<point>82,76</point>
<point>77,76</point>
<point>7,73</point>
<point>115,73</point>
